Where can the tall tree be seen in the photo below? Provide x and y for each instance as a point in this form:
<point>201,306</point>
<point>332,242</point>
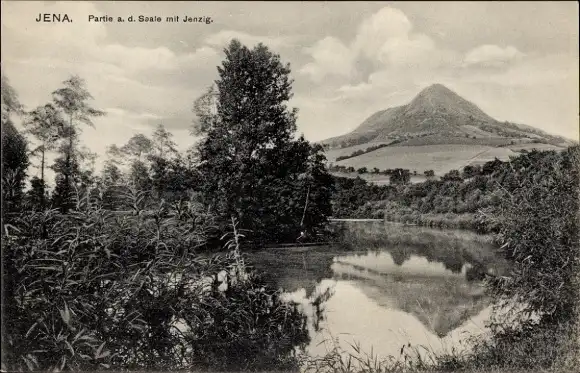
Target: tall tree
<point>163,142</point>
<point>137,146</point>
<point>45,123</point>
<point>10,102</point>
<point>14,150</point>
<point>72,99</point>
<point>168,172</point>
<point>251,167</point>
<point>14,165</point>
<point>112,174</point>
<point>204,108</point>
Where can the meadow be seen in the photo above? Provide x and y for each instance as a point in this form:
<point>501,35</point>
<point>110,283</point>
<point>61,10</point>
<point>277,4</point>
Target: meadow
<point>439,158</point>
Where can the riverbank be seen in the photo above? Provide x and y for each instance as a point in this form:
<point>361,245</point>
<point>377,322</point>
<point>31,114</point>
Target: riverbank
<point>441,221</point>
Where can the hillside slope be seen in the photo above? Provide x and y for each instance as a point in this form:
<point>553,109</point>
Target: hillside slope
<point>444,117</point>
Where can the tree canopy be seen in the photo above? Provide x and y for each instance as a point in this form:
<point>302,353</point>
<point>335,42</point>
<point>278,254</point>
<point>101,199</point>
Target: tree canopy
<point>251,166</point>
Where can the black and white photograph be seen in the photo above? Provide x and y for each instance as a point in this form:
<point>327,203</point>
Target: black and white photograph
<point>290,186</point>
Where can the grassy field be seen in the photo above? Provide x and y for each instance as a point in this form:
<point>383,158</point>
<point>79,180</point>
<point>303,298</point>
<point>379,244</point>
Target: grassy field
<point>332,154</point>
<point>439,158</point>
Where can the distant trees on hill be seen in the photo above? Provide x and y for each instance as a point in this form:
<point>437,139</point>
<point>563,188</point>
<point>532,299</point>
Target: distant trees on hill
<point>356,153</point>
<point>400,176</point>
<point>475,190</point>
<point>362,170</point>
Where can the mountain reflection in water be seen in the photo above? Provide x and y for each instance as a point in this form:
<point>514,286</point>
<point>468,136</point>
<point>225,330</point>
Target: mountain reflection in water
<point>415,286</point>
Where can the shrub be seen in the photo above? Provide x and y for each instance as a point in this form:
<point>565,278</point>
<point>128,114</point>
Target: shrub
<point>92,290</point>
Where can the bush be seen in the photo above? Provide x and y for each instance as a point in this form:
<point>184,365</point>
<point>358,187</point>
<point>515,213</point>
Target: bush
<point>91,290</point>
<point>539,235</point>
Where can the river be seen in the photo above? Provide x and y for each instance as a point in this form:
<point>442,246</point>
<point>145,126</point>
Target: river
<point>393,285</point>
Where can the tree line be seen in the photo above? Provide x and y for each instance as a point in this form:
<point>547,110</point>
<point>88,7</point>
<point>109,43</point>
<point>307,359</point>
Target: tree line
<point>249,163</point>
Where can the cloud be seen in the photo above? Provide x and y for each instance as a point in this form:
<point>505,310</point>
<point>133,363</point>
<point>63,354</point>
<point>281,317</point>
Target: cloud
<point>385,39</point>
<point>223,38</point>
<point>534,71</point>
<point>382,33</point>
<point>331,57</point>
<point>492,55</point>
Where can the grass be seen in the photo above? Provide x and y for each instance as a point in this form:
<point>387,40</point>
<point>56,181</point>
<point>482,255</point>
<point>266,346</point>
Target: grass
<point>507,356</point>
<point>439,158</point>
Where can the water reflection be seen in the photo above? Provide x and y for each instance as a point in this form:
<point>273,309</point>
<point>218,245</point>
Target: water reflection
<point>410,285</point>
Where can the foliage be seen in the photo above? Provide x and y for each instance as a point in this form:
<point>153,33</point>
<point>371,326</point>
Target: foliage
<point>37,195</point>
<point>400,176</point>
<point>356,153</point>
<point>452,175</point>
<point>539,235</point>
<point>91,290</point>
<point>46,124</point>
<point>532,203</point>
<point>14,165</point>
<point>14,150</point>
<point>250,165</point>
<point>71,99</point>
<point>354,360</point>
<point>10,102</point>
<point>137,146</point>
<point>350,194</point>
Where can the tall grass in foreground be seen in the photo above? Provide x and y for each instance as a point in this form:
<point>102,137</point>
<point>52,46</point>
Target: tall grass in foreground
<point>87,291</point>
<point>355,359</point>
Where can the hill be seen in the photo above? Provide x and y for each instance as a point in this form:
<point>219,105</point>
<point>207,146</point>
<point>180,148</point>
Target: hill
<point>438,130</point>
<point>442,117</point>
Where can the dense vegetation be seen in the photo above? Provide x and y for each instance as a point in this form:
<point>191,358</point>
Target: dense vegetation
<point>251,166</point>
<point>531,204</point>
<point>112,270</point>
<point>472,197</point>
<point>90,290</point>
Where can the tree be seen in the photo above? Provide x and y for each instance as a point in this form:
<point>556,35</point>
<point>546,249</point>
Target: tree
<point>400,176</point>
<point>429,174</point>
<point>491,166</point>
<point>250,166</point>
<point>137,146</point>
<point>72,100</point>
<point>362,170</point>
<point>163,142</point>
<point>45,123</point>
<point>539,237</point>
<point>14,151</point>
<point>204,108</point>
<point>10,103</point>
<point>14,165</point>
<point>470,171</point>
<point>37,195</point>
<point>452,175</point>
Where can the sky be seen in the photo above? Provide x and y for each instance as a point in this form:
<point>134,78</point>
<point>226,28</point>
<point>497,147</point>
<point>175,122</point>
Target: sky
<point>517,61</point>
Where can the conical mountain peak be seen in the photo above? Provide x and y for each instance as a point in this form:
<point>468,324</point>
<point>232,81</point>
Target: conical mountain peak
<point>435,89</point>
<point>440,114</point>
